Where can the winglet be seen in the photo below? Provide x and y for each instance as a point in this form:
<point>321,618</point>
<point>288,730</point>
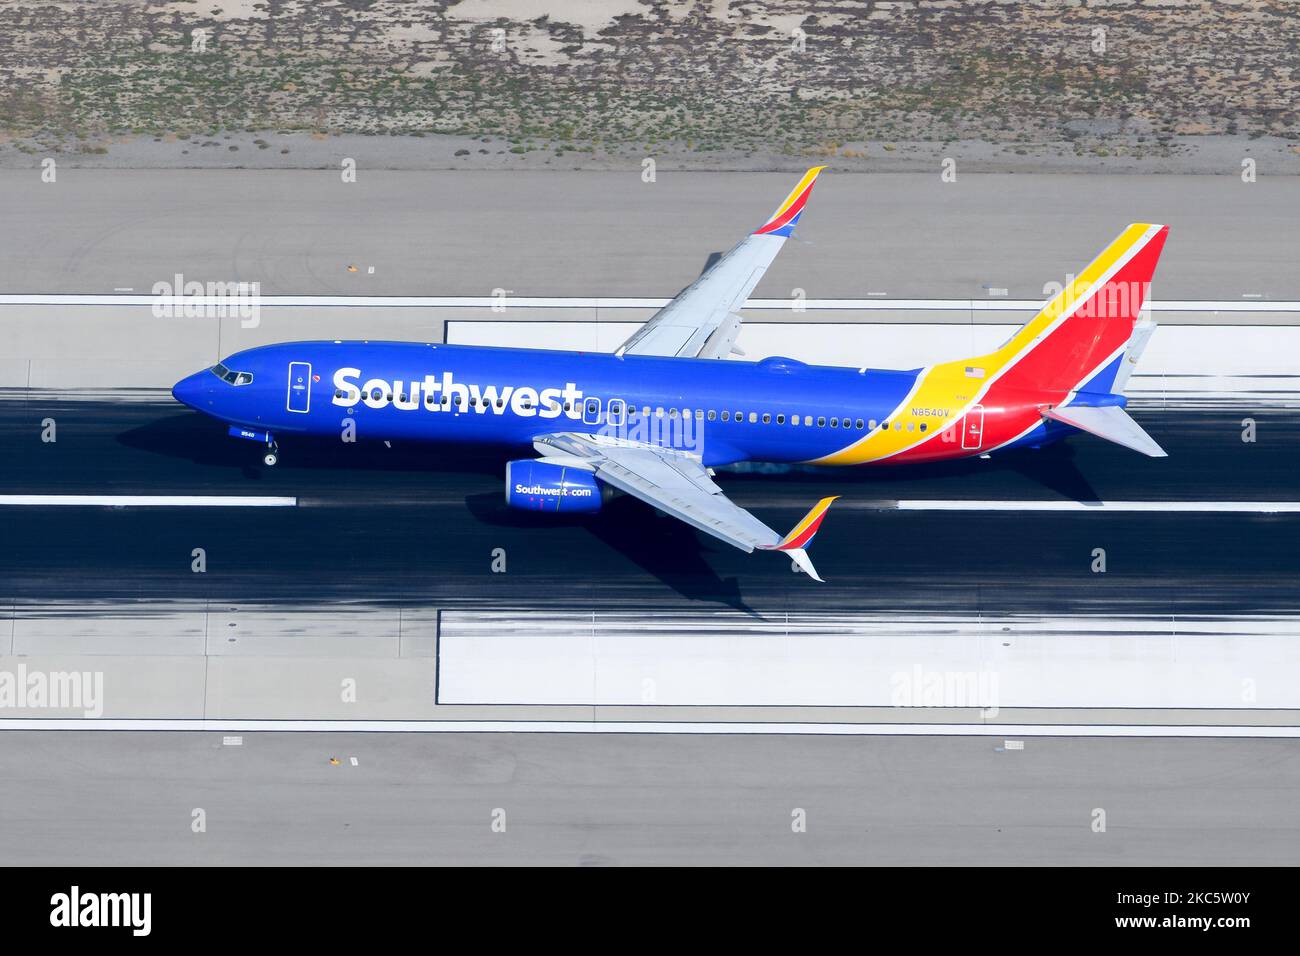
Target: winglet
<point>796,542</point>
<point>787,214</point>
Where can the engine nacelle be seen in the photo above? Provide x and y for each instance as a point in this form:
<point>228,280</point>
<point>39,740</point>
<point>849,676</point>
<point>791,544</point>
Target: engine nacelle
<point>536,485</point>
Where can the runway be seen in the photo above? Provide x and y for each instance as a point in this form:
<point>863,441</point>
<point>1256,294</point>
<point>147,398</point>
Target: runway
<point>348,574</point>
<point>93,799</point>
<point>417,527</point>
<point>609,233</point>
<point>406,532</point>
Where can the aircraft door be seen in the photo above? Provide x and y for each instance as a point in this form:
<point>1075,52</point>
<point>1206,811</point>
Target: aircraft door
<point>299,397</point>
<point>591,411</point>
<point>972,429</point>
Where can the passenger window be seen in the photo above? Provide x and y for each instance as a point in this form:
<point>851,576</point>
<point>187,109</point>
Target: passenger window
<point>753,417</point>
<point>767,418</point>
<point>923,426</point>
<point>807,420</point>
<point>712,414</point>
<point>794,419</point>
<point>835,423</point>
<point>726,416</point>
<point>821,421</point>
<point>780,419</point>
<point>859,424</point>
<point>872,424</point>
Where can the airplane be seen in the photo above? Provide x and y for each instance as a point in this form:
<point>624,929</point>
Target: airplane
<point>658,415</point>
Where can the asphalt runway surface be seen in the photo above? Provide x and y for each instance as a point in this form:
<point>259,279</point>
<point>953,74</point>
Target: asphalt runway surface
<point>414,527</point>
<point>110,798</point>
<point>608,233</point>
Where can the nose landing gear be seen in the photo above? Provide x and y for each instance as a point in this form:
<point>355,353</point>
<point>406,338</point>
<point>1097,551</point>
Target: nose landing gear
<point>272,456</point>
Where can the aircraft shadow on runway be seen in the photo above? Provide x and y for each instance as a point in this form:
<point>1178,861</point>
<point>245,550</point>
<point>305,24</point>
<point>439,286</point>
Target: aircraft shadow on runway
<point>661,546</point>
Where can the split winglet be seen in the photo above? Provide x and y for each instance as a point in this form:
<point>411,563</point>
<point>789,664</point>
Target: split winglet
<point>787,214</point>
<point>796,542</point>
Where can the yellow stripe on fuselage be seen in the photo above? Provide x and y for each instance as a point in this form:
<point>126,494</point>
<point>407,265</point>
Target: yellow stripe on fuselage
<point>949,389</point>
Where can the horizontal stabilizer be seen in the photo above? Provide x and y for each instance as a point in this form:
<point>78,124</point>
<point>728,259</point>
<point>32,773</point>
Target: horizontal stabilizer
<point>1111,423</point>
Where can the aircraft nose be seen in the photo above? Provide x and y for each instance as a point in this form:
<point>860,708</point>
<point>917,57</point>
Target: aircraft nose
<point>190,390</point>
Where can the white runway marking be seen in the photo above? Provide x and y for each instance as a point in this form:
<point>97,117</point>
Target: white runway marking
<point>1207,507</point>
<point>654,727</point>
<point>151,501</point>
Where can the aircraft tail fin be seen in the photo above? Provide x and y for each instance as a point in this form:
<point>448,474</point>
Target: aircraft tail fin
<point>1089,335</point>
<point>801,535</point>
<point>1113,377</point>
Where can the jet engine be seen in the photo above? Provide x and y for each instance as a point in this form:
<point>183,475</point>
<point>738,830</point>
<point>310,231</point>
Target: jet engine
<point>536,484</point>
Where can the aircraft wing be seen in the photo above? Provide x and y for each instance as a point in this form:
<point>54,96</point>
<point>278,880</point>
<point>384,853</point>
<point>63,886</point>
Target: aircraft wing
<point>679,485</point>
<point>701,322</point>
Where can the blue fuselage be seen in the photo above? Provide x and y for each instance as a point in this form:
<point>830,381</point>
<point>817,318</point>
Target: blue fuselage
<point>728,411</point>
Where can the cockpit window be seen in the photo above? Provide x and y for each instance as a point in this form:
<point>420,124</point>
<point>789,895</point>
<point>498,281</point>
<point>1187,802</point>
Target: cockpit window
<point>230,376</point>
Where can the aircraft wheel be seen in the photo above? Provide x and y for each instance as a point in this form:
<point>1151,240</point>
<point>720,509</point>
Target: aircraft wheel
<point>270,458</point>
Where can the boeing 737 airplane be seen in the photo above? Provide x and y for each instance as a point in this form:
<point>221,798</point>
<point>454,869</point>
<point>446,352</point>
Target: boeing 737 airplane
<point>655,417</point>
